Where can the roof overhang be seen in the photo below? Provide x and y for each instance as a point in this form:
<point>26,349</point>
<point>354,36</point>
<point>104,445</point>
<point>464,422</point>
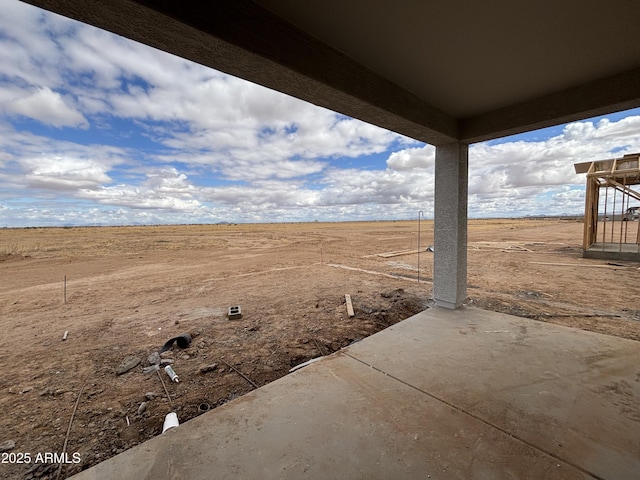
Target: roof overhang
<point>453,71</point>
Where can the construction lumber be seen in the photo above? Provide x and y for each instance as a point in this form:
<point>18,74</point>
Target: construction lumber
<point>498,246</point>
<point>350,311</point>
<point>577,265</point>
<point>515,248</point>
<point>401,252</point>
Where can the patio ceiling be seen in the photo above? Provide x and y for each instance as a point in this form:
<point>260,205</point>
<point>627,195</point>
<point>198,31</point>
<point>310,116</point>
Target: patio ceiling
<point>439,72</point>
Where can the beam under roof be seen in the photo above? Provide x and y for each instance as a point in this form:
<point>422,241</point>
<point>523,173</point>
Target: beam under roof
<point>244,39</point>
<point>600,97</point>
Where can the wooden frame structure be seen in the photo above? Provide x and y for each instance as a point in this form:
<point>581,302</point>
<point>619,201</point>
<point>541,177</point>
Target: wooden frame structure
<point>611,223</point>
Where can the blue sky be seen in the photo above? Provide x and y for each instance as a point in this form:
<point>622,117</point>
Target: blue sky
<point>96,129</point>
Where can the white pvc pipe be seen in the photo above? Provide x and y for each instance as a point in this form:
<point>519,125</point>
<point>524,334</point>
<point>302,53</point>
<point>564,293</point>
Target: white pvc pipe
<point>170,421</point>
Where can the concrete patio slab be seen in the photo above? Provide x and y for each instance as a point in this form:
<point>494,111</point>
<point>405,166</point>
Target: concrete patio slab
<point>465,394</point>
<point>568,392</point>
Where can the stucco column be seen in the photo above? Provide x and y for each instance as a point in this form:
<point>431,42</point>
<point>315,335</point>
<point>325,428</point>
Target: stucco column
<point>450,235</point>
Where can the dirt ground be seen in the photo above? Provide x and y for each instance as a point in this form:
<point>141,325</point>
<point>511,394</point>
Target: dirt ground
<point>130,289</point>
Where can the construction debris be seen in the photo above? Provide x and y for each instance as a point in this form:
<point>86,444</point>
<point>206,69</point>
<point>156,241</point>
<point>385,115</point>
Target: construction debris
<point>309,362</point>
<point>127,364</point>
<point>208,368</point>
<point>165,389</point>
<point>154,358</point>
<point>395,293</point>
<point>7,445</point>
<point>578,265</point>
<point>503,246</point>
<point>170,421</point>
<point>235,313</point>
<point>350,311</point>
<point>183,341</point>
<point>172,375</point>
<point>515,248</point>
<point>404,252</point>
<point>151,369</point>
<point>241,374</point>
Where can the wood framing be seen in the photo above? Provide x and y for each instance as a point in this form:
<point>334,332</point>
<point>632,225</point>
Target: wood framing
<point>612,208</point>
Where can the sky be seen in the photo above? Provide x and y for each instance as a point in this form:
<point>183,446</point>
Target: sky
<point>99,130</point>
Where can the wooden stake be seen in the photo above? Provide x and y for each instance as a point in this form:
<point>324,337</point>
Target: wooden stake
<point>350,311</point>
<point>65,289</point>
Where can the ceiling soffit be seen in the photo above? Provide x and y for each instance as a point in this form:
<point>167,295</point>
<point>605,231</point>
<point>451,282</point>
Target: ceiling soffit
<point>435,73</point>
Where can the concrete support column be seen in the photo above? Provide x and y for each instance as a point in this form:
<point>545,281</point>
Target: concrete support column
<point>450,235</point>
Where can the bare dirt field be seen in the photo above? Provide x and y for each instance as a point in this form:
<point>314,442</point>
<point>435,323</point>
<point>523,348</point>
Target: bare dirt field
<point>130,289</point>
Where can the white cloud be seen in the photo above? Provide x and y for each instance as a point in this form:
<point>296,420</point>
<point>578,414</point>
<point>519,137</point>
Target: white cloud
<point>38,166</point>
<point>171,141</point>
<point>240,130</point>
<point>567,200</point>
<point>48,107</point>
<point>232,119</point>
<point>380,187</point>
<point>27,55</point>
<point>413,158</point>
<point>165,189</point>
<point>515,177</point>
<point>58,173</point>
